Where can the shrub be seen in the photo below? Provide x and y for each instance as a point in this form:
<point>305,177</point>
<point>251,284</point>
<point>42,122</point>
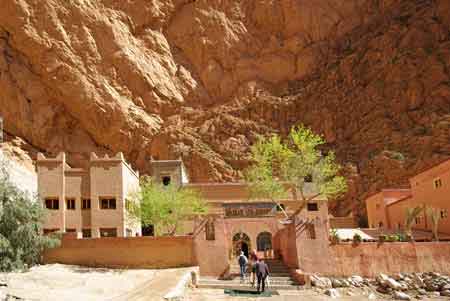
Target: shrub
<point>334,236</point>
<point>357,238</point>
<point>21,218</point>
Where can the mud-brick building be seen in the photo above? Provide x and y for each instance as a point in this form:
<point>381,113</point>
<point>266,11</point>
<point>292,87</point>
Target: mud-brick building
<point>236,221</point>
<point>430,188</point>
<point>91,201</point>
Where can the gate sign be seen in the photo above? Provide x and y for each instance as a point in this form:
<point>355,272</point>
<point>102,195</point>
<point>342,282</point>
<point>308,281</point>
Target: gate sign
<point>249,209</point>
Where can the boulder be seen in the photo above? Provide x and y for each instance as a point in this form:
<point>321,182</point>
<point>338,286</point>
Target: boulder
<point>336,283</point>
<point>421,291</point>
<point>333,293</point>
<point>401,296</point>
<point>395,285</point>
<point>321,282</point>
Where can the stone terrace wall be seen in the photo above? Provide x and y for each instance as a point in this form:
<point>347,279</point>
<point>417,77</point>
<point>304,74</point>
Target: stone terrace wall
<point>124,252</point>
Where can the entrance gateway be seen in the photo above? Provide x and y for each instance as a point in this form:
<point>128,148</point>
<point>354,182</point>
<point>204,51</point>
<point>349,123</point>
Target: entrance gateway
<point>241,243</point>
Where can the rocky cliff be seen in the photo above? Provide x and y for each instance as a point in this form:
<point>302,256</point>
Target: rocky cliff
<point>200,79</point>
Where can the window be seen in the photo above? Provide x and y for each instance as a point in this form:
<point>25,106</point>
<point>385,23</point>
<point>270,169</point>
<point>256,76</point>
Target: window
<point>108,232</point>
<point>210,230</point>
<point>87,233</point>
<point>70,230</point>
<point>313,207</point>
<point>86,204</point>
<point>106,203</point>
<point>165,180</point>
<point>70,204</point>
<point>49,231</point>
<point>264,241</point>
<point>52,204</point>
<point>437,183</point>
<point>148,230</point>
<point>444,213</point>
<point>418,220</point>
<point>310,231</point>
<point>308,179</point>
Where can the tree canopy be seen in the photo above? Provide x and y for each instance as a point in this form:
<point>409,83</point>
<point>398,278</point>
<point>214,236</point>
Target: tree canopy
<point>21,219</point>
<point>287,166</point>
<point>165,207</point>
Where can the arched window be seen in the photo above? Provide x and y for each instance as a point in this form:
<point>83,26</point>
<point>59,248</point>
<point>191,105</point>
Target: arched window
<point>264,241</point>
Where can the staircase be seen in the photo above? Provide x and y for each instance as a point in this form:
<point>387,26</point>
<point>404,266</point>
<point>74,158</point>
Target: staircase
<point>279,279</point>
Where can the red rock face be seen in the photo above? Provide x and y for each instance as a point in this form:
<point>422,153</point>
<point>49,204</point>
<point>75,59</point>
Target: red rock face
<point>200,79</point>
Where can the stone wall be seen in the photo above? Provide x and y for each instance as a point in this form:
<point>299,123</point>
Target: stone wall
<point>121,252</point>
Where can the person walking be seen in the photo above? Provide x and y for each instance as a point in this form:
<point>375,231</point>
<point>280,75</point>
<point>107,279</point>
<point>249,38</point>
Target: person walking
<point>242,260</point>
<point>262,271</point>
<point>253,260</point>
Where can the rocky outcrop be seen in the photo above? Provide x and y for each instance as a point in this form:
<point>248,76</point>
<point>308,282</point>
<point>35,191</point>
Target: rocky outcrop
<point>200,79</point>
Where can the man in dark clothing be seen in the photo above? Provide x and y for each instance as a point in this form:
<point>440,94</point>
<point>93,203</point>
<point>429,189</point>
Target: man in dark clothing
<point>262,271</point>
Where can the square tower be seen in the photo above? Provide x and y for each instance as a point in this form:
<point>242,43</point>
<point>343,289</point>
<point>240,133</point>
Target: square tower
<point>169,172</point>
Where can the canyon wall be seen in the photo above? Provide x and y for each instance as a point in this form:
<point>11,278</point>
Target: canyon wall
<point>201,79</point>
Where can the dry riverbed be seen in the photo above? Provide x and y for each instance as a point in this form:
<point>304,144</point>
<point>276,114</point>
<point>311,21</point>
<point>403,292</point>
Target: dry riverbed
<point>66,282</point>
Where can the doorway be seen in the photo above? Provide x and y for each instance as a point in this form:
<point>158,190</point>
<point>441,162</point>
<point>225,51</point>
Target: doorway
<point>241,243</point>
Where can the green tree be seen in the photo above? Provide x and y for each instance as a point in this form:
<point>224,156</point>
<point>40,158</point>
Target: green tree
<point>280,167</point>
<point>434,215</point>
<point>410,217</point>
<point>21,219</point>
<point>165,207</point>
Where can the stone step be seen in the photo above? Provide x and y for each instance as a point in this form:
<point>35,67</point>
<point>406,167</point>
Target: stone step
<point>286,274</point>
<point>270,268</point>
<point>237,276</point>
<point>246,286</point>
<point>238,281</point>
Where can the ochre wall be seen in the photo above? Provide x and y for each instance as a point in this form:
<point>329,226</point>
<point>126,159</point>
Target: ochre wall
<point>370,259</point>
<point>212,255</point>
<point>424,192</point>
<point>133,252</point>
<point>284,243</point>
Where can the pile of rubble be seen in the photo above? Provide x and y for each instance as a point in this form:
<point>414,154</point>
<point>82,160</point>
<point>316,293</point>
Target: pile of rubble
<point>402,286</point>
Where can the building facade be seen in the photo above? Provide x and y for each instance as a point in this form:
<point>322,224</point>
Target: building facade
<point>429,189</point>
<point>91,202</point>
<point>236,221</point>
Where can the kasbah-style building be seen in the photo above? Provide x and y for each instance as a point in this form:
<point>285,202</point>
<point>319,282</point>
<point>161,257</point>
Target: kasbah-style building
<point>90,206</point>
<point>430,188</point>
<point>92,202</point>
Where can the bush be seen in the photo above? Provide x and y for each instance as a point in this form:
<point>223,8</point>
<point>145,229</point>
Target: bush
<point>357,238</point>
<point>334,237</point>
<point>21,239</point>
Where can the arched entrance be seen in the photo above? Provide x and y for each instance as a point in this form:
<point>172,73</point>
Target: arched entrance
<point>241,242</point>
<point>264,241</point>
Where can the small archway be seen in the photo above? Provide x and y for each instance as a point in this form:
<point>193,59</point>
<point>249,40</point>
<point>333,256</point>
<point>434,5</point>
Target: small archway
<point>264,241</point>
<point>241,242</point>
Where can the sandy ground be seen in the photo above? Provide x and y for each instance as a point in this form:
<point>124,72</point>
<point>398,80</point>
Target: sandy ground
<point>65,282</point>
<point>301,295</point>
